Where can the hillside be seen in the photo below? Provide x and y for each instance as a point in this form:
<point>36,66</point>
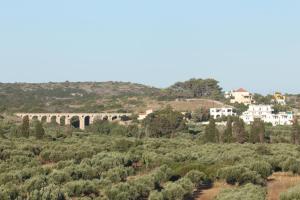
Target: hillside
<point>105,96</point>
<point>68,96</point>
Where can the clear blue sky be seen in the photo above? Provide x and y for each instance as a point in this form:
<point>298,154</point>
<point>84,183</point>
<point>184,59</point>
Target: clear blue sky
<point>253,44</point>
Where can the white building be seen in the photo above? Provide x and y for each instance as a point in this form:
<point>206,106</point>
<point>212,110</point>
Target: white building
<point>266,114</point>
<point>240,96</point>
<point>220,112</point>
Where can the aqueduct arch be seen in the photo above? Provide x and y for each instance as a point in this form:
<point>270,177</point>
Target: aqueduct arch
<point>84,119</point>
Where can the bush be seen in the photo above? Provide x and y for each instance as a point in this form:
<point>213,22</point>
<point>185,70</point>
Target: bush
<point>155,195</point>
<point>196,177</point>
<point>78,188</point>
<point>261,167</point>
<point>231,174</point>
<point>247,192</point>
<point>163,123</point>
<point>241,175</point>
<point>173,191</point>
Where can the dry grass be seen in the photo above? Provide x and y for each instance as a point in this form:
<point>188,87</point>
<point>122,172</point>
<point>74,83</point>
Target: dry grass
<point>280,182</point>
<point>182,105</point>
<point>211,193</point>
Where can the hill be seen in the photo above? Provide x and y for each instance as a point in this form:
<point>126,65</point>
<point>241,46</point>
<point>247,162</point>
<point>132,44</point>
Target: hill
<point>104,96</point>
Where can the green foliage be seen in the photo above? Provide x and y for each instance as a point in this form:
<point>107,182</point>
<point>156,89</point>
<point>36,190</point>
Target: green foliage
<point>241,175</point>
<point>165,122</point>
<point>211,132</point>
<point>25,128</point>
<point>257,132</point>
<point>247,192</point>
<point>260,99</point>
<point>200,115</point>
<point>239,131</point>
<point>228,137</point>
<point>295,134</point>
<point>39,130</point>
<point>240,108</point>
<point>109,128</point>
<point>99,166</point>
<point>261,167</point>
<point>195,88</point>
<point>196,177</point>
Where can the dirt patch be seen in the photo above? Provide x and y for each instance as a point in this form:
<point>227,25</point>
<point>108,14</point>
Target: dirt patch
<point>280,182</point>
<point>212,192</point>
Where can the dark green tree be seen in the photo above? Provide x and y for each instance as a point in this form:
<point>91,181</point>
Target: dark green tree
<point>25,128</point>
<point>257,131</point>
<point>228,138</point>
<point>211,132</point>
<point>295,135</point>
<point>39,130</point>
<point>239,131</point>
<point>200,115</point>
<point>195,88</point>
<point>165,122</point>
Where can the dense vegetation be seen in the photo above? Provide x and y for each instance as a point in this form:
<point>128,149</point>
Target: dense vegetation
<point>196,88</point>
<point>167,156</point>
<point>111,161</point>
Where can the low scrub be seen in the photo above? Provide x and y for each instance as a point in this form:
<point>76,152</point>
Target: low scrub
<point>292,194</point>
<point>246,192</point>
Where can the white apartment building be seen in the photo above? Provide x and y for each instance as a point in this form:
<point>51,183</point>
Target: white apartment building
<point>266,114</point>
<point>240,96</point>
<point>220,112</point>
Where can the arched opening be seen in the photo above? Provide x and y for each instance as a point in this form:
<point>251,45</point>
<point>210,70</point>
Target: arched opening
<point>114,118</point>
<point>44,119</point>
<point>75,122</point>
<point>62,121</point>
<point>105,118</point>
<point>125,118</point>
<point>53,120</point>
<point>87,121</point>
<point>34,118</point>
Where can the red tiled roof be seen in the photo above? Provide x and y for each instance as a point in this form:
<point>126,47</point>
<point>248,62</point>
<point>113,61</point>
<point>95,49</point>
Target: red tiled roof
<point>241,90</point>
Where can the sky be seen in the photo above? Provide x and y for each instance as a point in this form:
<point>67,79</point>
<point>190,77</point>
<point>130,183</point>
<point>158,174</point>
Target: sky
<point>252,44</point>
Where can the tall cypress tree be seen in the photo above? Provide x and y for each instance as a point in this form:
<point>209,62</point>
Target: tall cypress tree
<point>211,132</point>
<point>228,138</point>
<point>254,131</point>
<point>262,131</point>
<point>295,136</point>
<point>239,131</point>
<point>25,129</point>
<point>257,132</point>
<point>39,130</point>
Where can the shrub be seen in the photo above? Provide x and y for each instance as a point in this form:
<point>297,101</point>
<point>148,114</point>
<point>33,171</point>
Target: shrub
<point>59,177</point>
<point>241,175</point>
<point>231,174</point>
<point>78,188</point>
<point>247,192</point>
<point>173,191</point>
<point>155,195</point>
<point>163,123</point>
<point>196,177</point>
<point>261,167</point>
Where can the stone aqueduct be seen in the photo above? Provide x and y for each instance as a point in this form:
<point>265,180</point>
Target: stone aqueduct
<point>84,118</point>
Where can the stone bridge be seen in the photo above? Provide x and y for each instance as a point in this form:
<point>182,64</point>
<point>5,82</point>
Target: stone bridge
<point>85,119</point>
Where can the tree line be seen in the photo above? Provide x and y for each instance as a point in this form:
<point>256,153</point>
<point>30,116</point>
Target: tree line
<point>235,131</point>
